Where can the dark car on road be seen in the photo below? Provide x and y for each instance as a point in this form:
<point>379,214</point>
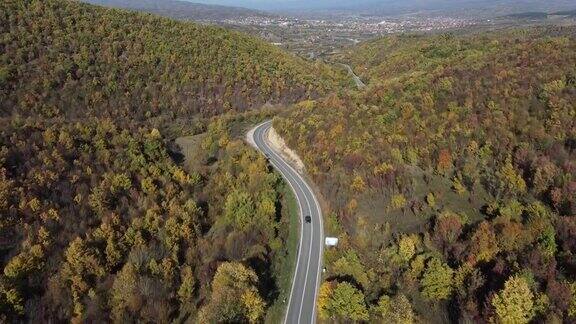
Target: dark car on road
<point>308,219</point>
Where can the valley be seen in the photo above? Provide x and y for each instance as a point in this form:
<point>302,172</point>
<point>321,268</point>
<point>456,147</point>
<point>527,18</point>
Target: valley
<point>435,142</point>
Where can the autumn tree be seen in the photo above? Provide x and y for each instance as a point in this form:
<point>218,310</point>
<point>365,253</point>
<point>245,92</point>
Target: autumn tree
<point>5,189</point>
<point>514,303</point>
<point>510,180</point>
<point>572,303</point>
<point>350,265</point>
<point>342,301</point>
<point>324,296</point>
<point>358,185</point>
<point>82,265</point>
<point>239,209</point>
<point>447,230</point>
<point>396,310</point>
<point>186,289</point>
<point>234,295</point>
<point>483,244</point>
<point>444,163</point>
<point>437,281</point>
<point>27,261</point>
<point>124,294</point>
<point>407,247</point>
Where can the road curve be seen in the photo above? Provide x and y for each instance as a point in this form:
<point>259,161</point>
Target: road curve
<point>301,306</point>
<point>357,81</point>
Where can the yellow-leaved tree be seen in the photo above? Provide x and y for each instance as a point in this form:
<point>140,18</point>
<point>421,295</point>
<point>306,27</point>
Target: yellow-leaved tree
<point>514,303</point>
<point>235,297</point>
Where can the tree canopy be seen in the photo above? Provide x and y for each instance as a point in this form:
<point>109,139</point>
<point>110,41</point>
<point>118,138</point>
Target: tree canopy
<point>451,170</point>
<point>67,59</point>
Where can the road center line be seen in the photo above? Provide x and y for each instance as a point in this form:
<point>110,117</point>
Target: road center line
<point>292,176</point>
<point>261,129</point>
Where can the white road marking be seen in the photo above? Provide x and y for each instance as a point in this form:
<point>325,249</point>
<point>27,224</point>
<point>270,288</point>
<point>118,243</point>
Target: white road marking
<point>293,176</point>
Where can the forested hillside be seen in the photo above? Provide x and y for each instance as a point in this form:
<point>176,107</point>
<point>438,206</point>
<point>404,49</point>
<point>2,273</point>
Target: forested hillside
<point>100,220</point>
<point>64,58</point>
<point>451,179</point>
<point>186,10</point>
<point>98,224</point>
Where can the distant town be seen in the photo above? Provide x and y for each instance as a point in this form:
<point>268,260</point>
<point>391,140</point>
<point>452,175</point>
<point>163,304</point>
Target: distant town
<point>324,34</point>
<point>314,38</point>
<point>359,24</point>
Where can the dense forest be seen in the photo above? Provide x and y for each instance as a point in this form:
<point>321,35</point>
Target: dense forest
<point>451,178</point>
<point>64,58</point>
<point>103,217</point>
<point>99,223</point>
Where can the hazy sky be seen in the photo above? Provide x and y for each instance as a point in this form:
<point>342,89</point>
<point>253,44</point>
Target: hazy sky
<point>518,5</point>
<point>289,4</point>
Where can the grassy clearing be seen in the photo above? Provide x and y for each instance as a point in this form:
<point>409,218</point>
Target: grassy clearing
<point>190,149</point>
<point>285,262</point>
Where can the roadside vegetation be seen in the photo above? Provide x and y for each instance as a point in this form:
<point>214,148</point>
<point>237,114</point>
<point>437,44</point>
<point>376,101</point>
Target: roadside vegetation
<point>98,223</point>
<point>286,260</point>
<point>450,178</point>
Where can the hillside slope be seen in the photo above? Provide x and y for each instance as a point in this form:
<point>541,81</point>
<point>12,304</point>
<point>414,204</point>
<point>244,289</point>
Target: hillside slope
<point>452,176</point>
<point>99,220</point>
<point>183,9</point>
<point>64,58</point>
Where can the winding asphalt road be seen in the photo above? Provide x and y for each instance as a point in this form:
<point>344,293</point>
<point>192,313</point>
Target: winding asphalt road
<point>357,80</point>
<point>302,302</point>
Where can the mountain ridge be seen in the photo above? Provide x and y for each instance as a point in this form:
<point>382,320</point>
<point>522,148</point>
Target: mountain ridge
<point>400,7</point>
<point>137,64</point>
<point>184,9</point>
